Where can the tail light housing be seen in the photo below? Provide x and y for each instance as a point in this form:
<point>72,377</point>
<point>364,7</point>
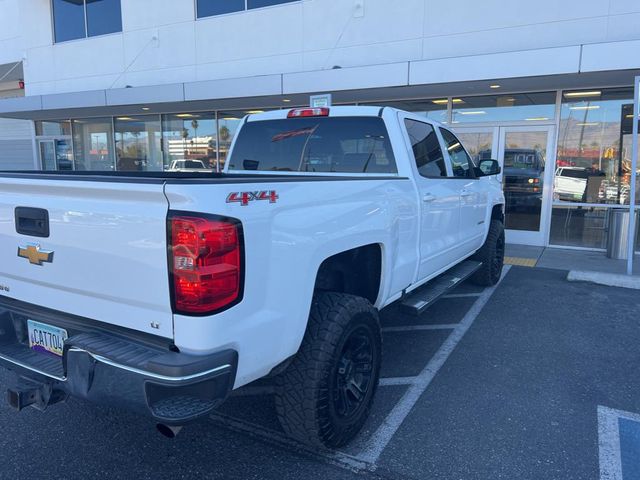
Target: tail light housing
<point>206,263</point>
<point>308,112</point>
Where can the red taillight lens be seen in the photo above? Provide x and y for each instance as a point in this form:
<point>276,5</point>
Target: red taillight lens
<point>206,263</point>
<point>308,112</point>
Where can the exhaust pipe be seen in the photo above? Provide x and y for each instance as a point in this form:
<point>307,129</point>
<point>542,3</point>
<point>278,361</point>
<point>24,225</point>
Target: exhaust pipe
<point>168,431</point>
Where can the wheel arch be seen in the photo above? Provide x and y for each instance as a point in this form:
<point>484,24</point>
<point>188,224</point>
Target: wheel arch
<point>356,271</point>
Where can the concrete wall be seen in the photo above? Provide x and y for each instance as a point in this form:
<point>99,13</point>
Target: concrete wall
<point>297,37</point>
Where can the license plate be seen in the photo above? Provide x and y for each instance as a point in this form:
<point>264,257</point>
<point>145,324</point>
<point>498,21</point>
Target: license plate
<point>46,338</point>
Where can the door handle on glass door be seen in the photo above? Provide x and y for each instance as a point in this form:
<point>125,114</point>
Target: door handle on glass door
<point>428,198</point>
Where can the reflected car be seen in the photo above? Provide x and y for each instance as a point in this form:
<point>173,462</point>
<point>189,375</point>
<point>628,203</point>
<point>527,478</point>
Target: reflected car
<point>570,183</point>
<point>188,166</point>
<point>523,177</point>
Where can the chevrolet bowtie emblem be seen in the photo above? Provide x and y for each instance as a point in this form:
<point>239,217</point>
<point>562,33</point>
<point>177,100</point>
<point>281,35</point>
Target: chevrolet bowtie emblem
<point>35,256</point>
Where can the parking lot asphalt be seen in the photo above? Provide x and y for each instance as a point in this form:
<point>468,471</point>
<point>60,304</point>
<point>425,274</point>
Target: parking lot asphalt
<point>496,383</point>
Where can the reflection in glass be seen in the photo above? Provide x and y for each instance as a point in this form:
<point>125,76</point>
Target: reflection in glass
<point>315,144</point>
<point>207,8</point>
<point>53,128</point>
<point>431,109</point>
<point>47,155</point>
<point>527,107</point>
<point>68,20</point>
<point>228,123</point>
<point>594,147</point>
<point>478,144</point>
<point>523,177</point>
<point>137,143</point>
<point>64,154</point>
<point>103,17</point>
<point>93,144</point>
<point>266,3</point>
<point>189,141</point>
<point>579,227</point>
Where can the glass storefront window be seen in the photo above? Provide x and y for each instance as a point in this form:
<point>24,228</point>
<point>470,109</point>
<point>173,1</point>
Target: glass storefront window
<point>138,143</point>
<point>93,144</point>
<point>525,107</point>
<point>594,147</point>
<point>189,141</point>
<point>228,123</point>
<point>432,109</point>
<point>478,144</point>
<point>53,129</point>
<point>579,226</point>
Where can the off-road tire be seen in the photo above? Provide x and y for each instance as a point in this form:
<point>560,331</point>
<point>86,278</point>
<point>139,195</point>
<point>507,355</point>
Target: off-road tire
<point>307,391</point>
<point>491,254</point>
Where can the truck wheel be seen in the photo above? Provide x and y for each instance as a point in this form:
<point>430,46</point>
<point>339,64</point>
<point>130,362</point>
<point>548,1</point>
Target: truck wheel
<point>491,254</point>
<point>324,396</point>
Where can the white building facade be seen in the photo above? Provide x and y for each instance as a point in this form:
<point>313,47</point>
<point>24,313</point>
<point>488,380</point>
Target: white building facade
<point>545,87</point>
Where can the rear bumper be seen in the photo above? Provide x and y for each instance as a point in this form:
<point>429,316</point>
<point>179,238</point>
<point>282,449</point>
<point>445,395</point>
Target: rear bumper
<point>115,369</point>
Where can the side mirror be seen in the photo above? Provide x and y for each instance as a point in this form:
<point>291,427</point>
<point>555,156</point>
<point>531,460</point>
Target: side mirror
<point>488,167</point>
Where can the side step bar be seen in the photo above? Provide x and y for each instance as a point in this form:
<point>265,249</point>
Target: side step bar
<point>416,302</point>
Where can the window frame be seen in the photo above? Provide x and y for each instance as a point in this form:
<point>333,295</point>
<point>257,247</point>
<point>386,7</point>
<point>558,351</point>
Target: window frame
<point>471,172</point>
<point>246,9</point>
<point>86,25</point>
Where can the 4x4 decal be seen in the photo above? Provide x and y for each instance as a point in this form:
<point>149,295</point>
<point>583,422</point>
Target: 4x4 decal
<point>243,198</point>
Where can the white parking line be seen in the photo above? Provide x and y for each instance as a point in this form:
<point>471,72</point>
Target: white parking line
<point>381,438</point>
<point>393,381</point>
<point>412,328</point>
<point>609,441</point>
<point>462,295</point>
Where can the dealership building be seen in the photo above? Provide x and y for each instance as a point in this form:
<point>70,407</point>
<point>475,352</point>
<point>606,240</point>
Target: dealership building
<point>545,87</point>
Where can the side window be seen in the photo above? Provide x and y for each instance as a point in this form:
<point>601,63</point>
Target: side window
<point>426,149</point>
<point>460,161</point>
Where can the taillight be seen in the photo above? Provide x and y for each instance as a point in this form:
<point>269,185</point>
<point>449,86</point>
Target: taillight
<point>308,112</point>
<point>205,262</point>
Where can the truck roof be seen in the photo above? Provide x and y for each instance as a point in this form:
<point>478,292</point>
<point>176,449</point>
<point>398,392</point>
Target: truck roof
<point>335,111</point>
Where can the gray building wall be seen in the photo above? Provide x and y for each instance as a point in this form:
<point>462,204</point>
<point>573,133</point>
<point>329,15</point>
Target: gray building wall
<point>16,140</point>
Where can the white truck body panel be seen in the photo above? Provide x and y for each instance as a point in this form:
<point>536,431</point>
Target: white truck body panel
<point>286,243</point>
<point>109,244</point>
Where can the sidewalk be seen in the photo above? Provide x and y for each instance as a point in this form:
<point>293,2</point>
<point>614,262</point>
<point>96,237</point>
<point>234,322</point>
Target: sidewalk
<point>566,259</point>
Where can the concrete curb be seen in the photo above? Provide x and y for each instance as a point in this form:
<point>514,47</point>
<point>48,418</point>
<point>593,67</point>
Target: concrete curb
<point>610,279</point>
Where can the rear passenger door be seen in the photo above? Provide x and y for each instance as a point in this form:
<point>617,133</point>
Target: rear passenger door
<point>474,199</point>
<point>439,198</point>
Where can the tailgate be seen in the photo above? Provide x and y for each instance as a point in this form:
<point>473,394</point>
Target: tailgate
<point>105,256</point>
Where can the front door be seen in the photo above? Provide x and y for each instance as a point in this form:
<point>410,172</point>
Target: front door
<point>56,154</point>
<point>439,196</point>
<point>525,154</point>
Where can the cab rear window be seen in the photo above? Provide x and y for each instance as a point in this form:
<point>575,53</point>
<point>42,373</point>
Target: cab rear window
<point>315,144</point>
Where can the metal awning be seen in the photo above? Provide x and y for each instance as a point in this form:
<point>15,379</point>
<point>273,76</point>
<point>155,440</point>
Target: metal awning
<point>268,91</point>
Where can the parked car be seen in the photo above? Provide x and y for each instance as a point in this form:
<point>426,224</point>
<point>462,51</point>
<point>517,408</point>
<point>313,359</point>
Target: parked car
<point>165,291</point>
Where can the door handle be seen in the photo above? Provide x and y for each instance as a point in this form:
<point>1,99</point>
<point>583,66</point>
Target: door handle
<point>428,198</point>
<point>466,193</point>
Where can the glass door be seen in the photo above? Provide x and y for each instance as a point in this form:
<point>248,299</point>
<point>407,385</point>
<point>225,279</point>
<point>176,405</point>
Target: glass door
<point>55,154</point>
<point>47,151</point>
<point>524,154</point>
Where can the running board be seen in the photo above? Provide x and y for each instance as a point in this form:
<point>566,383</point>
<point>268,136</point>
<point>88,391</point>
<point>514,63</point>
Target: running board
<point>417,301</point>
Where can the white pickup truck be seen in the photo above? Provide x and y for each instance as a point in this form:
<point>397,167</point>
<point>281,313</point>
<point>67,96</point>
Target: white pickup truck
<point>162,292</point>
